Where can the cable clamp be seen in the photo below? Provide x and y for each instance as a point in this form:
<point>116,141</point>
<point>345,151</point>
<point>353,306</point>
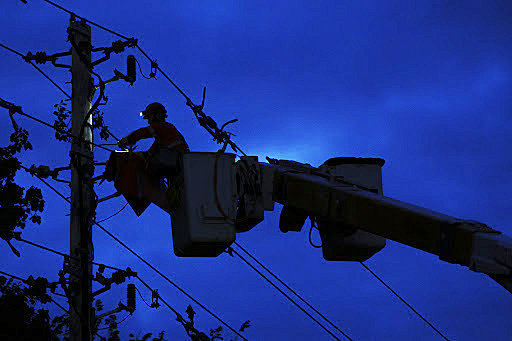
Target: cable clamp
<point>154,299</point>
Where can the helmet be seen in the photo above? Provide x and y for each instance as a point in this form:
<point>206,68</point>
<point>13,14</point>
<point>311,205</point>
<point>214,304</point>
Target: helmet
<point>154,108</point>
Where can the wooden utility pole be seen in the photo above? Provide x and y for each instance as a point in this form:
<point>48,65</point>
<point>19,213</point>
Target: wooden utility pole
<point>82,191</point>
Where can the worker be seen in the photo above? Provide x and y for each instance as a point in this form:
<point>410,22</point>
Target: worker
<point>163,159</point>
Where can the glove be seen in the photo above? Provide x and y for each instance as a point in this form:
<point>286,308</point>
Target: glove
<point>122,143</point>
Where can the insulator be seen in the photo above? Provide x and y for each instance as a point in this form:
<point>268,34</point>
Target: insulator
<point>131,74</point>
<point>130,296</point>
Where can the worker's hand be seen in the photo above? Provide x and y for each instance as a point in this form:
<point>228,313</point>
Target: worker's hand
<point>123,143</point>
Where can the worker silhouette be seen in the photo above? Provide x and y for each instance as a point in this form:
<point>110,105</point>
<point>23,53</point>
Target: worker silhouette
<point>164,158</point>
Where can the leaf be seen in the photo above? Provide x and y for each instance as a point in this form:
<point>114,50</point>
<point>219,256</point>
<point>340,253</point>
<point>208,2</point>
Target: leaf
<point>36,219</point>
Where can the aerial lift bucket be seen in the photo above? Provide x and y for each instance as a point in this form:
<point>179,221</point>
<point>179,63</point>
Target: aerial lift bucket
<point>199,227</point>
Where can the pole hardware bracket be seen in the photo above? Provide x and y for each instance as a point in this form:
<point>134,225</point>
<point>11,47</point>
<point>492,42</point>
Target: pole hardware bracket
<point>120,307</point>
<point>117,47</point>
<point>219,135</point>
<point>115,195</point>
<point>45,172</point>
<point>42,58</point>
<point>118,277</point>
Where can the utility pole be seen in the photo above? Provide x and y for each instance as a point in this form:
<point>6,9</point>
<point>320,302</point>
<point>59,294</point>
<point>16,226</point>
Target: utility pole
<point>82,191</point>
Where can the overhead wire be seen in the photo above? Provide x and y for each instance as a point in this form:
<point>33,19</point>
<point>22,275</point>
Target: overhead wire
<point>87,20</point>
<point>104,328</point>
<point>47,184</point>
<point>142,298</point>
<point>152,267</point>
<point>288,297</point>
<point>290,289</point>
<point>189,101</point>
<point>60,130</point>
<point>38,69</point>
<point>236,148</point>
<point>52,300</point>
<point>65,255</point>
<point>401,299</point>
<point>25,282</point>
<point>190,297</point>
<point>189,328</point>
<point>113,215</point>
<point>168,280</point>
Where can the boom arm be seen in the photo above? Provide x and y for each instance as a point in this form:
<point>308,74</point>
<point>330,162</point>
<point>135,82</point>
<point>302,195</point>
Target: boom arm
<point>339,196</point>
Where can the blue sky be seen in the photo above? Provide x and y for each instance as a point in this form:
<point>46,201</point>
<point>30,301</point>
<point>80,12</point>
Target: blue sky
<point>424,85</point>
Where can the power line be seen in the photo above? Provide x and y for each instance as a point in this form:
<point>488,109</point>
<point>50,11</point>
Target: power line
<point>19,111</point>
<point>285,295</point>
<point>168,280</point>
<point>143,300</point>
<point>87,20</point>
<point>117,322</point>
<point>114,214</point>
<point>167,304</point>
<point>37,68</point>
<point>287,287</point>
<point>47,184</point>
<point>188,327</point>
<point>197,109</point>
<point>63,254</point>
<point>401,299</point>
<point>25,282</point>
<point>151,266</point>
<point>51,299</point>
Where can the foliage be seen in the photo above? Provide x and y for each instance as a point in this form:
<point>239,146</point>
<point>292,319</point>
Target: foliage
<point>16,204</point>
<point>19,319</point>
<point>63,121</point>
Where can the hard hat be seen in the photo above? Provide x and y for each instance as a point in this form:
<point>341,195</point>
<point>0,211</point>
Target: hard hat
<point>153,108</point>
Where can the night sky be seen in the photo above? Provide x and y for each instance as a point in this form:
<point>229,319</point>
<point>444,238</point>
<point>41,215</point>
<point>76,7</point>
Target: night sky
<point>424,85</point>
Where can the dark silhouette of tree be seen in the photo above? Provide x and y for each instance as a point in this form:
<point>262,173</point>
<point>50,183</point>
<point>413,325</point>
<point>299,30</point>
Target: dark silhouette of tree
<point>16,204</point>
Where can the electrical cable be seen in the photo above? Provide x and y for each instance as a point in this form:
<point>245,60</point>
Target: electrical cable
<point>189,101</point>
<point>140,69</point>
<point>60,130</point>
<point>114,214</point>
<point>288,297</point>
<point>401,299</point>
<point>38,69</point>
<point>124,318</point>
<point>25,282</point>
<point>188,327</point>
<point>47,184</point>
<point>65,255</point>
<point>169,79</point>
<point>168,280</point>
<point>143,300</point>
<point>288,287</point>
<point>85,19</point>
<point>117,323</point>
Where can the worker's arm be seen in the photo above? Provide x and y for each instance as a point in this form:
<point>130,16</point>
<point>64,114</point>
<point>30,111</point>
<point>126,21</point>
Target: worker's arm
<point>133,137</point>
